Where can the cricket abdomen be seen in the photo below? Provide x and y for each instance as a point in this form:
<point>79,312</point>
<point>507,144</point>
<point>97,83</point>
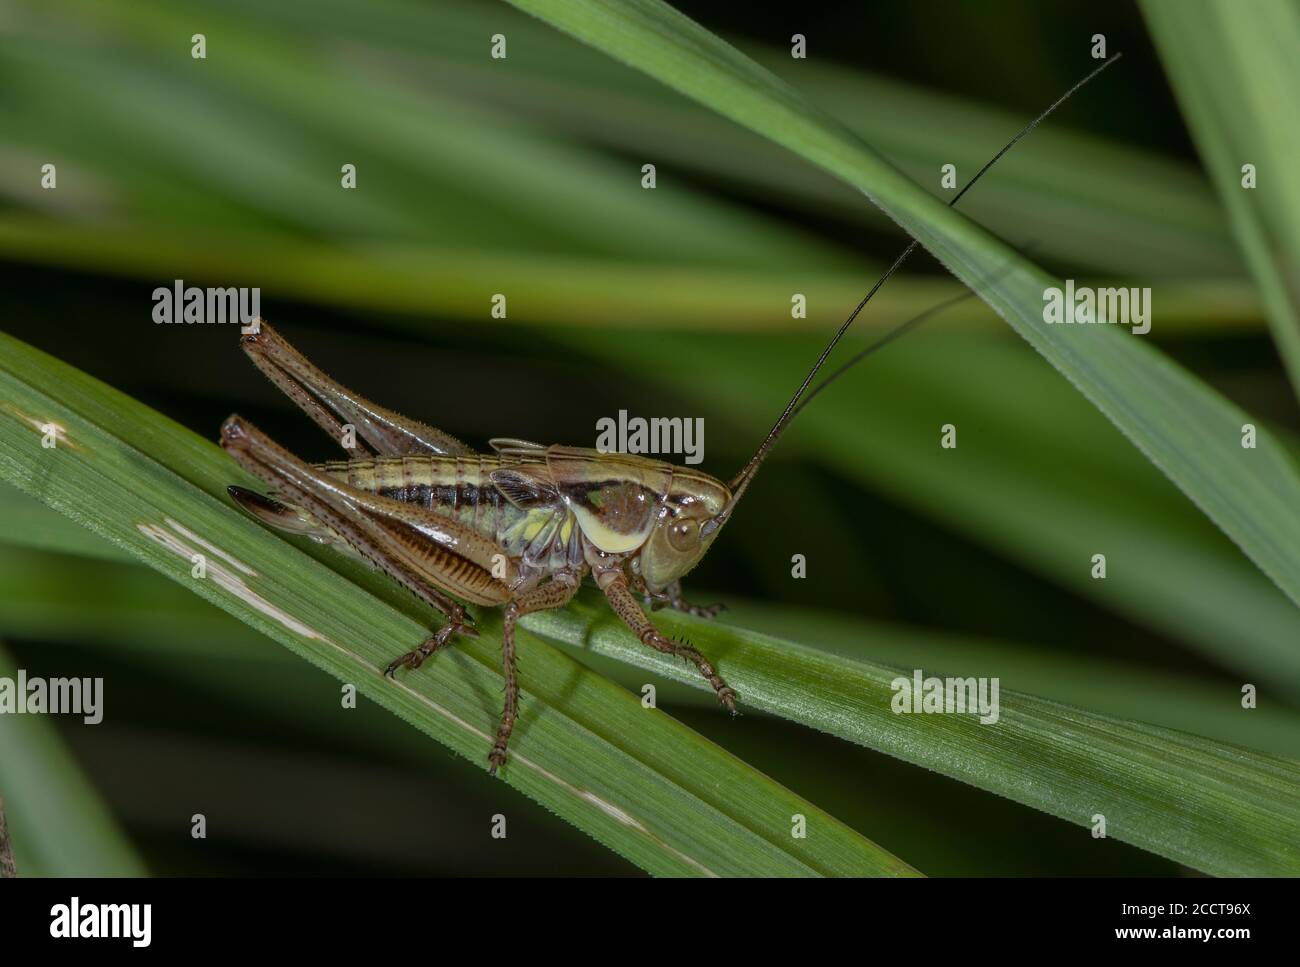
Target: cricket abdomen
<point>461,488</point>
<point>457,487</point>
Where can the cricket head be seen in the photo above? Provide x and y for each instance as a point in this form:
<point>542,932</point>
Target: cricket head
<point>678,540</point>
<point>653,512</point>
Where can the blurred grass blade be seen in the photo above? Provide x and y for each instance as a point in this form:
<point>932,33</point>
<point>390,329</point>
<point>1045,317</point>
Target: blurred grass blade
<point>316,67</point>
<point>493,185</point>
<point>1212,806</point>
<point>1125,210</point>
<point>633,778</point>
<point>29,523</point>
<point>57,822</point>
<point>1236,71</point>
<point>544,288</point>
<point>1182,425</point>
<point>537,214</point>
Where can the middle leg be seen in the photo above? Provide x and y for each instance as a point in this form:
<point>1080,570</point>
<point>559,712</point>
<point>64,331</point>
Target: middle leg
<point>556,593</point>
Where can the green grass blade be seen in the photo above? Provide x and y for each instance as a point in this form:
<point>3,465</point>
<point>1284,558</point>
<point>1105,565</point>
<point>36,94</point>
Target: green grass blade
<point>1029,757</point>
<point>1236,72</point>
<point>1124,210</point>
<point>49,596</point>
<point>469,189</point>
<point>1188,430</point>
<point>633,778</point>
<point>1212,806</point>
<point>1153,695</point>
<point>57,823</point>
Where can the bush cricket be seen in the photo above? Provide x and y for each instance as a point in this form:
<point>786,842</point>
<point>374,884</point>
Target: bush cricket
<point>518,528</point>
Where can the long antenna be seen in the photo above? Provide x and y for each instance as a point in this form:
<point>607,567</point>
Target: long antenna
<point>899,330</point>
<point>742,480</point>
<point>881,343</point>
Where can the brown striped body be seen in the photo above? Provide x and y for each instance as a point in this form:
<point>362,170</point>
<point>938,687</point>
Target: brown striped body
<point>534,542</point>
<point>455,487</point>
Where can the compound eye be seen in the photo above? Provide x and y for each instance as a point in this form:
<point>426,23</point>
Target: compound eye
<point>684,534</point>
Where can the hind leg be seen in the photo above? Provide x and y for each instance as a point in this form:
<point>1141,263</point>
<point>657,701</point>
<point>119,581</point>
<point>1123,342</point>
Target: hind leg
<point>295,520</point>
<point>375,528</point>
<point>333,406</point>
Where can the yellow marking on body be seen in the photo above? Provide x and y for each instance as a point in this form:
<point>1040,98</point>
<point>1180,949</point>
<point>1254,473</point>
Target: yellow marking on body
<point>606,538</point>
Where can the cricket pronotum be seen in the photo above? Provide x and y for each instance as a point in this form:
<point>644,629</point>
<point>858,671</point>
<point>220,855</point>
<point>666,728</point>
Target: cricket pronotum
<point>518,528</point>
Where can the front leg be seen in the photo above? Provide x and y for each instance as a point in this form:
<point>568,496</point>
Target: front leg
<point>620,598</point>
<point>556,593</point>
<point>671,597</point>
